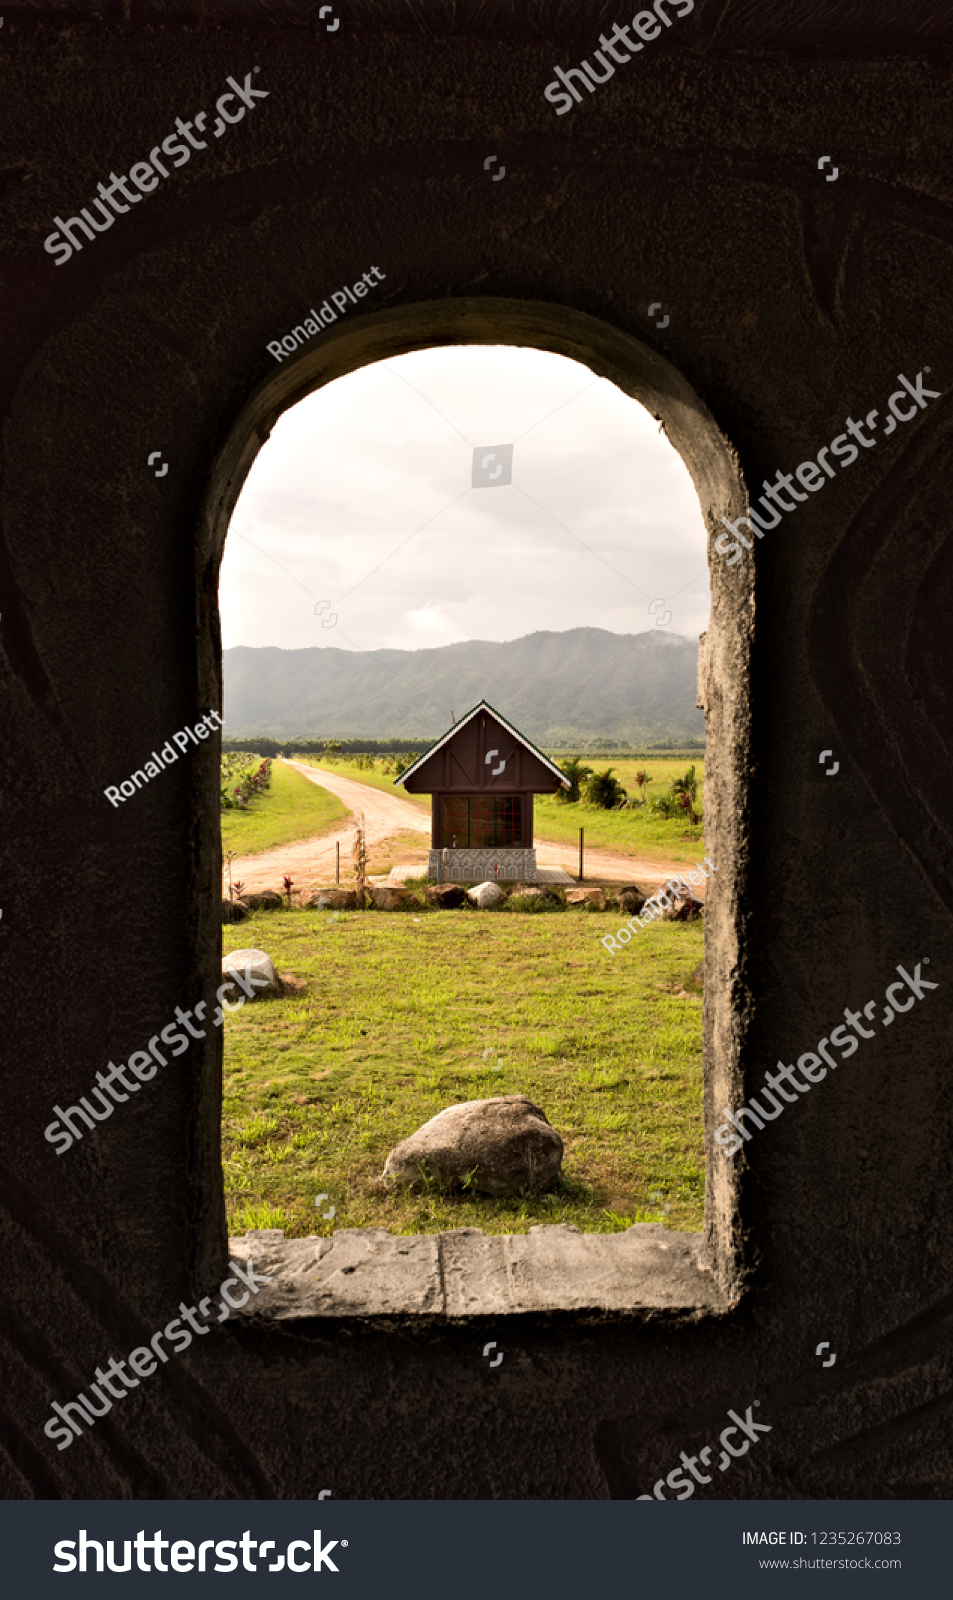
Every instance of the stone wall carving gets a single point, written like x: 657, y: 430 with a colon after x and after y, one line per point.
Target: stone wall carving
x: 475, y: 866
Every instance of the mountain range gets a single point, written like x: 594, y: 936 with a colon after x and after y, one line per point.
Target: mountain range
x: 555, y: 687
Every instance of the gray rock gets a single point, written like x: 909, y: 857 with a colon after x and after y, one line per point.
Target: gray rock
x: 507, y: 1143
x: 487, y: 896
x: 233, y: 910
x: 257, y: 974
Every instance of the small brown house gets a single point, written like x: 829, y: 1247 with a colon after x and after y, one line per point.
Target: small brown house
x: 482, y: 775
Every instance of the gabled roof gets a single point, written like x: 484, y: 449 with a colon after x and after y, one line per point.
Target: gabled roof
x: 484, y: 705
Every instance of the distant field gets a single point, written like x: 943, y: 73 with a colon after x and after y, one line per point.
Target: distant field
x: 402, y: 1017
x: 636, y: 833
x: 662, y: 770
x: 291, y: 808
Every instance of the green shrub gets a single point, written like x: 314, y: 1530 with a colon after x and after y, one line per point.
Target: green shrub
x: 533, y: 903
x: 577, y: 774
x: 604, y: 791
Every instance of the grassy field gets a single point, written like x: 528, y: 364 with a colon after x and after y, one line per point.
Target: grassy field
x: 662, y: 772
x: 403, y: 1014
x: 291, y: 808
x: 638, y: 833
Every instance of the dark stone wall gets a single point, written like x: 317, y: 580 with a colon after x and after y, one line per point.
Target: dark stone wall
x: 690, y: 178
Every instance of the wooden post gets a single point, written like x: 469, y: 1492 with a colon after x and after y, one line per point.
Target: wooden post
x: 337, y: 862
x: 581, y: 832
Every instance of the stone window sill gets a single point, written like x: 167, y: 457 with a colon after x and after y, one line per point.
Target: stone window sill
x: 368, y: 1272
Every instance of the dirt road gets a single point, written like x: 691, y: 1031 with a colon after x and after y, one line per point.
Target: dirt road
x: 311, y: 861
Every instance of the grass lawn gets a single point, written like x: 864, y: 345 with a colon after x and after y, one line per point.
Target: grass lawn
x: 291, y: 808
x: 402, y: 1017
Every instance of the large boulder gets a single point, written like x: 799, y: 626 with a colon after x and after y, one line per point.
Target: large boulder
x: 594, y: 898
x: 389, y: 897
x: 445, y: 896
x: 335, y: 899
x: 264, y: 900
x: 256, y: 971
x: 233, y: 910
x: 507, y: 1144
x: 487, y: 896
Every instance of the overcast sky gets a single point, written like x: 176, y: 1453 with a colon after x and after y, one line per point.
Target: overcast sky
x: 362, y: 498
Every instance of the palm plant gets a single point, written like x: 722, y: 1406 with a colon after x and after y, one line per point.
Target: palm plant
x: 577, y: 774
x: 643, y: 779
x: 604, y: 790
x: 686, y: 788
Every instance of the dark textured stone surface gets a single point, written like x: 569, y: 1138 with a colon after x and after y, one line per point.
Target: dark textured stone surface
x: 445, y: 896
x: 631, y: 899
x: 690, y: 178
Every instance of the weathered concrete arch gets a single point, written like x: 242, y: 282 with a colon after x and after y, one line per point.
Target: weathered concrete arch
x: 648, y: 377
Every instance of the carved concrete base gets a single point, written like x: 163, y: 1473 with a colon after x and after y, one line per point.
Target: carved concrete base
x: 475, y: 866
x: 369, y: 1272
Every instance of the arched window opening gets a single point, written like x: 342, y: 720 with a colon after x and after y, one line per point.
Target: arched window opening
x: 373, y: 589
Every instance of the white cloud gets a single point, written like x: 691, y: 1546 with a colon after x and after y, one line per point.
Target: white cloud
x: 428, y: 620
x: 362, y: 496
